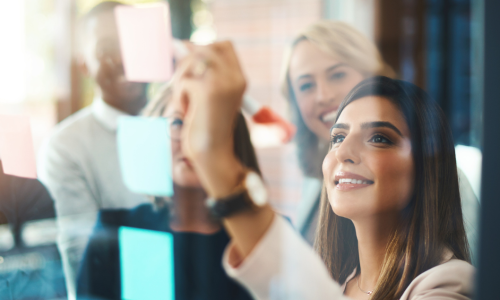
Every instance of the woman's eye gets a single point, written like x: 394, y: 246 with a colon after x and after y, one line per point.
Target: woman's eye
x: 380, y: 139
x: 306, y: 86
x: 337, y: 139
x: 338, y: 75
x: 176, y: 123
x: 176, y: 128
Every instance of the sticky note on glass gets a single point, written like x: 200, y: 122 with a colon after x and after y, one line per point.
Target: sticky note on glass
x: 147, y: 264
x: 145, y: 155
x: 146, y: 42
x: 16, y: 146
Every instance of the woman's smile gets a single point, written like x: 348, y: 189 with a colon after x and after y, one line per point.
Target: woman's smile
x: 347, y: 181
x: 328, y: 116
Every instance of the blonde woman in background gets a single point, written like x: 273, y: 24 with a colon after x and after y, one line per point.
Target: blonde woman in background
x: 324, y: 62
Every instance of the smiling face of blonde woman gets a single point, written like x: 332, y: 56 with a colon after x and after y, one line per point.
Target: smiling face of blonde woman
x: 369, y: 169
x: 320, y: 83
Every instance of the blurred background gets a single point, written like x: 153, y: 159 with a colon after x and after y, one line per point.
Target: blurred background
x: 427, y: 42
x: 435, y: 44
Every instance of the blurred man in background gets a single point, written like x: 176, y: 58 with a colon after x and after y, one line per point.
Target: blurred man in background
x: 79, y: 163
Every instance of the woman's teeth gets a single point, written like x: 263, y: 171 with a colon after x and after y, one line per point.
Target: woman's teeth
x: 353, y: 181
x: 329, y: 117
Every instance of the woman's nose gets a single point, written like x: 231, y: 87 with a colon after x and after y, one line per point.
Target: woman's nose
x: 348, y: 151
x: 324, y: 94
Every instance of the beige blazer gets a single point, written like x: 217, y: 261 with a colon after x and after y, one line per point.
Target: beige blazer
x: 452, y: 279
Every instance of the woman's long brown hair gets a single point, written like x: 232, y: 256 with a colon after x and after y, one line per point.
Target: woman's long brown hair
x: 432, y: 221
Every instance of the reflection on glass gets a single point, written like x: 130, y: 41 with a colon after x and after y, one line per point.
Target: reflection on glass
x: 324, y: 49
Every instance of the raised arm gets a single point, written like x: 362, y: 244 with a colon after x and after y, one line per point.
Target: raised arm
x: 211, y: 84
x: 266, y: 255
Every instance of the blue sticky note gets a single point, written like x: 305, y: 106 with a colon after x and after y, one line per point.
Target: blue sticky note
x: 147, y: 264
x: 145, y: 155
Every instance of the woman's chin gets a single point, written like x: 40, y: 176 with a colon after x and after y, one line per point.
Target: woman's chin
x: 348, y: 210
x: 188, y: 183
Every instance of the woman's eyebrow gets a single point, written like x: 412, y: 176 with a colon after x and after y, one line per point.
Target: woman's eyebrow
x: 174, y: 113
x: 381, y: 124
x: 340, y: 125
x: 330, y: 69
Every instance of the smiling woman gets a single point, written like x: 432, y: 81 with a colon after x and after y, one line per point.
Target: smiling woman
x: 391, y: 223
x: 364, y: 148
x: 390, y: 135
x: 325, y: 61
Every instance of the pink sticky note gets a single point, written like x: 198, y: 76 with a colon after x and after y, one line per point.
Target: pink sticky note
x: 146, y: 42
x: 16, y: 146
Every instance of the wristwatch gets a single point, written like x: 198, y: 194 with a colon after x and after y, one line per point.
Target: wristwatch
x: 250, y: 194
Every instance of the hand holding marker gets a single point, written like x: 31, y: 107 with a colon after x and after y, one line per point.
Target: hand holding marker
x: 261, y: 114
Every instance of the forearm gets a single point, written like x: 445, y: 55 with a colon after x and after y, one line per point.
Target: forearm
x: 246, y: 229
x: 220, y: 173
x: 281, y: 266
x: 212, y: 100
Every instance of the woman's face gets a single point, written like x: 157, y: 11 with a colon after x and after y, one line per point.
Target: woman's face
x: 320, y: 83
x: 182, y: 171
x: 369, y: 170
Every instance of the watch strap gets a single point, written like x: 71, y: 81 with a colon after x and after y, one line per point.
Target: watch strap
x: 231, y: 205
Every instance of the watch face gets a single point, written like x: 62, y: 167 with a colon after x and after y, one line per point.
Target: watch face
x: 256, y: 189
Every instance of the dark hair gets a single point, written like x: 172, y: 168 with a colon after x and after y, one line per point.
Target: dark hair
x: 432, y: 221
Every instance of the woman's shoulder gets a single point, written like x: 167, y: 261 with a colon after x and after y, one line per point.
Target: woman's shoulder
x: 450, y: 280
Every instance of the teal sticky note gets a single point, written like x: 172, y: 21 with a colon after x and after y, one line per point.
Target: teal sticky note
x: 147, y: 264
x: 145, y: 155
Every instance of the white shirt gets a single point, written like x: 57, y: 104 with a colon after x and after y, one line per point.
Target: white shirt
x: 79, y: 166
x: 283, y: 266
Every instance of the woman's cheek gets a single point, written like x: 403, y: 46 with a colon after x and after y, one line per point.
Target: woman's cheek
x: 394, y: 173
x: 328, y: 167
x: 176, y: 174
x: 175, y: 146
x: 176, y: 170
x: 306, y: 109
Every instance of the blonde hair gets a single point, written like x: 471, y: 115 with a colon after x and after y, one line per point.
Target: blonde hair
x: 349, y: 46
x: 157, y: 105
x: 344, y: 43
